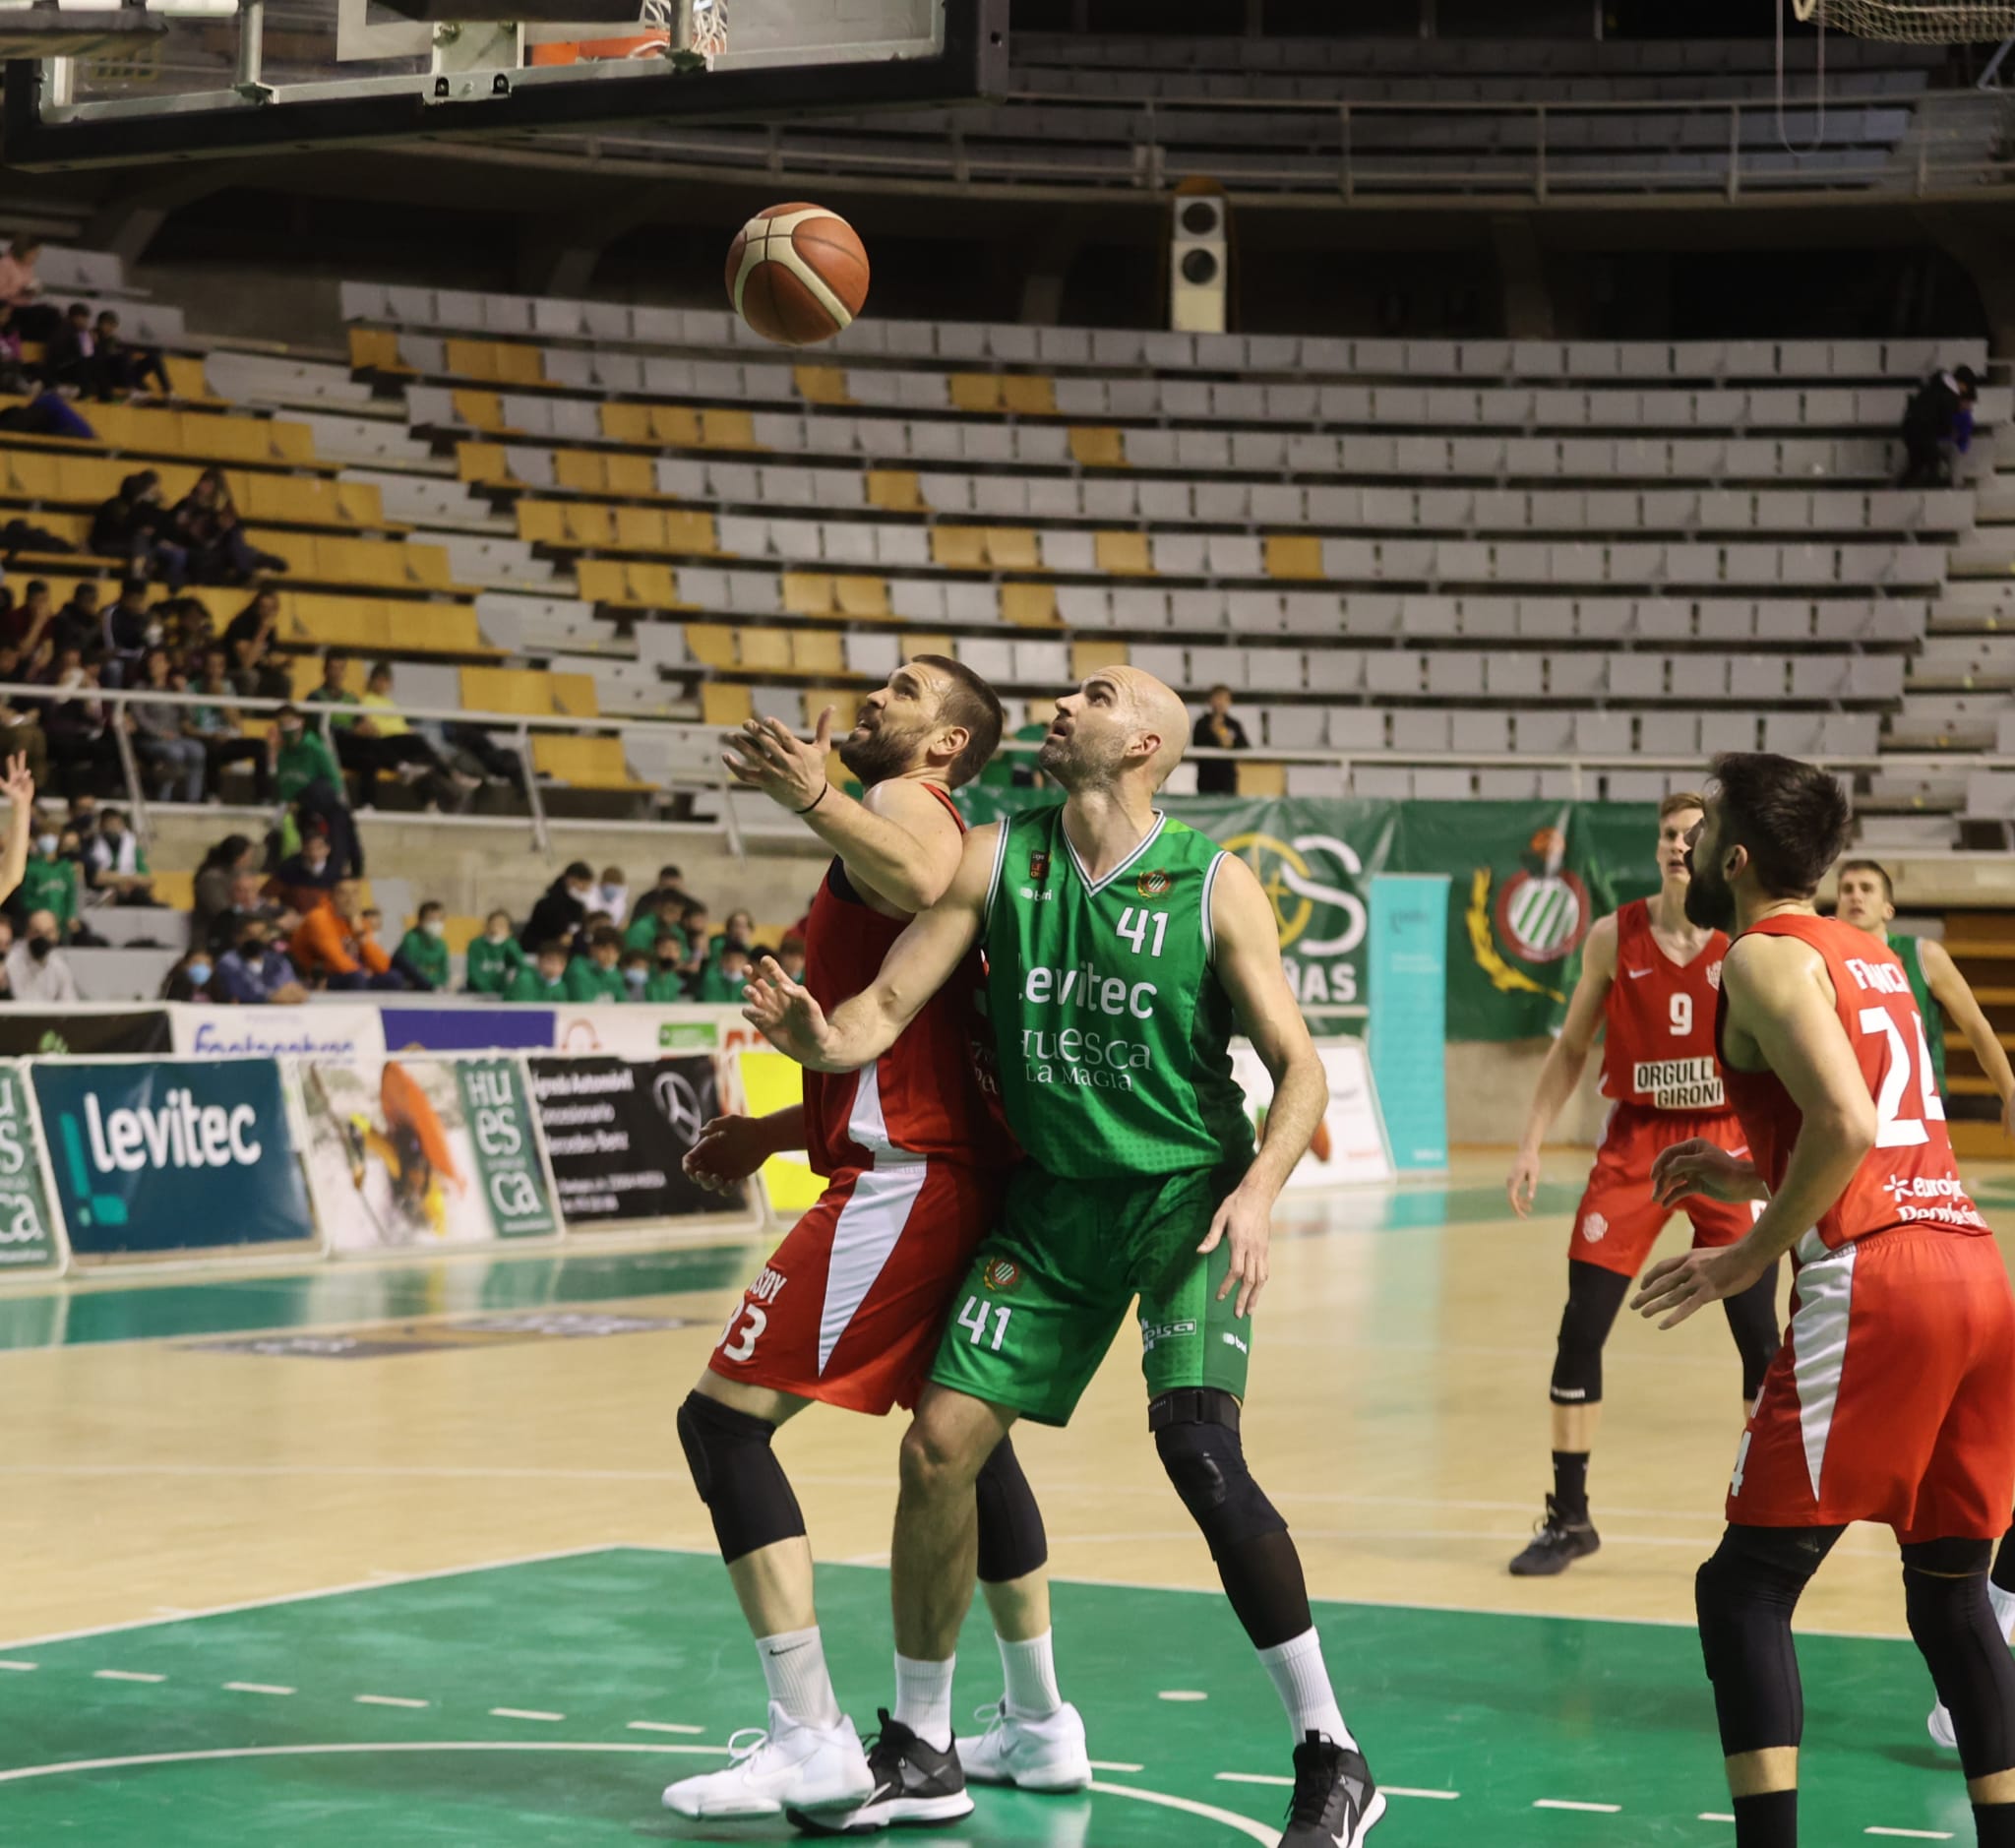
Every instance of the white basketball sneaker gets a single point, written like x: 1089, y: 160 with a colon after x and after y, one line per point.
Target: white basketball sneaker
x: 792, y: 1765
x: 1940, y: 1726
x: 1032, y: 1755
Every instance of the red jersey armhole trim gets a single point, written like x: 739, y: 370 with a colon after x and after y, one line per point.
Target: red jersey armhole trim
x: 943, y: 795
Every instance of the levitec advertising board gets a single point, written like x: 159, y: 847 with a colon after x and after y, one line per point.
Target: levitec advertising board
x: 159, y: 1158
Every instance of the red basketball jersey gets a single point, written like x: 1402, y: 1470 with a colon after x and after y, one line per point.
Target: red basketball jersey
x: 1908, y: 1177
x: 1658, y: 1043
x: 923, y: 1096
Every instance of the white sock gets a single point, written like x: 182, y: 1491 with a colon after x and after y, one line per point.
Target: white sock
x: 794, y: 1667
x: 1031, y: 1671
x: 923, y: 1699
x: 2004, y: 1610
x: 1302, y: 1682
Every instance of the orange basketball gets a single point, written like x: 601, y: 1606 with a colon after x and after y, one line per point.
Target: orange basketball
x: 796, y: 274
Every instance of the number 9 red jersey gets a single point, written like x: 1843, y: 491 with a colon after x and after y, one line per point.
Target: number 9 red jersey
x: 1657, y: 1022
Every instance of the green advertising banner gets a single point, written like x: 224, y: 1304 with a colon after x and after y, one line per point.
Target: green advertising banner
x: 1527, y: 881
x: 503, y: 1126
x: 28, y: 1242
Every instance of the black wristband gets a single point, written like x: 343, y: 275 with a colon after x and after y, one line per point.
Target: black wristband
x: 814, y: 803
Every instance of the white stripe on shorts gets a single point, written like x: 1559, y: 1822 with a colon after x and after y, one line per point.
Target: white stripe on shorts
x: 867, y: 1228
x: 1818, y: 1338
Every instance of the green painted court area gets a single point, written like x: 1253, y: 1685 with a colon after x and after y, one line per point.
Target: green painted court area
x: 549, y: 1701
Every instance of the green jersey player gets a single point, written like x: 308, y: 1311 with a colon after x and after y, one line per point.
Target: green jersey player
x: 1123, y: 951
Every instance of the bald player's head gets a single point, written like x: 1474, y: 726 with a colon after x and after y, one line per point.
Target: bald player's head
x: 1122, y: 723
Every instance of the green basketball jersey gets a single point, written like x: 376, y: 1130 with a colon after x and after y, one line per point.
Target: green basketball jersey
x: 1112, y: 1031
x: 1911, y: 956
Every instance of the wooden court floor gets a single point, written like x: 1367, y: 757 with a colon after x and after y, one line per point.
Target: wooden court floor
x: 177, y: 1447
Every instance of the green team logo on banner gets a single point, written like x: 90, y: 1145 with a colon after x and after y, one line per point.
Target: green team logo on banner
x: 1314, y: 881
x: 25, y: 1240
x: 500, y: 1126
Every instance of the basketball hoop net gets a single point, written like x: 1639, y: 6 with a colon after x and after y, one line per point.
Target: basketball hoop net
x: 1914, y: 22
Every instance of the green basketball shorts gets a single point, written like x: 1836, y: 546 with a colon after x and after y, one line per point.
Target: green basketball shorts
x: 1048, y: 1291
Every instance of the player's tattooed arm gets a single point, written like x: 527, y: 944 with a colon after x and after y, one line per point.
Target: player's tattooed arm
x: 1949, y: 989
x: 1246, y: 958
x: 1781, y: 1016
x: 1567, y: 1058
x: 918, y: 964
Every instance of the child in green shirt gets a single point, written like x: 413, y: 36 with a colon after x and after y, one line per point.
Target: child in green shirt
x: 424, y: 948
x: 544, y: 980
x: 494, y: 957
x: 667, y: 982
x: 635, y: 975
x: 722, y: 982
x: 596, y: 976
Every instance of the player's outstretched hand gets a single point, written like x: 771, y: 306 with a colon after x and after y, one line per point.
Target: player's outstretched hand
x: 1699, y: 1166
x: 19, y: 787
x: 726, y: 1152
x: 785, y: 1014
x: 1675, y: 1287
x: 1249, y: 1224
x: 1522, y: 1184
x: 767, y: 755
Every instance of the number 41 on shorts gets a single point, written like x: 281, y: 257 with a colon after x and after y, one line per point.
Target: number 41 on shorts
x: 973, y: 1319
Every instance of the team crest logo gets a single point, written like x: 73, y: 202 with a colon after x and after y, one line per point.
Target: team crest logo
x: 1593, y: 1227
x: 1039, y: 866
x: 1001, y: 1273
x: 1154, y: 885
x: 1714, y: 973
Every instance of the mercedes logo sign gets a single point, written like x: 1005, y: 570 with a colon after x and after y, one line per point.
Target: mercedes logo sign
x: 679, y: 1104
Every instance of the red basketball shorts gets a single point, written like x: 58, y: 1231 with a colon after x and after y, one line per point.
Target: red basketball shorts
x: 850, y: 1306
x: 1893, y: 1397
x: 1618, y: 1222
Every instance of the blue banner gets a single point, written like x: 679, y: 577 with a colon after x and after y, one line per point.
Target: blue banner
x: 157, y: 1158
x: 1408, y: 943
x: 478, y: 1027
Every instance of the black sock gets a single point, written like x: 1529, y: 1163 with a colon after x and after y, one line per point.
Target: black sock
x: 2004, y: 1573
x: 1767, y: 1822
x: 1995, y: 1822
x: 1571, y: 1484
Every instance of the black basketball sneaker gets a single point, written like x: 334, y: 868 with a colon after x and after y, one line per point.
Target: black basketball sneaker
x: 914, y: 1783
x: 1556, y: 1544
x: 1335, y: 1802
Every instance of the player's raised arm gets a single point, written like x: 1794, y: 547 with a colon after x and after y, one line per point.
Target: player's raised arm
x: 918, y: 964
x: 19, y: 787
x: 1780, y: 1000
x: 899, y: 838
x: 1567, y: 1058
x: 1246, y: 957
x: 1950, y: 991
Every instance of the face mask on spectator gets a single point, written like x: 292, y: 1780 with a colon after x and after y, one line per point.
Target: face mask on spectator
x: 45, y: 845
x: 637, y: 977
x: 252, y: 953
x: 498, y: 932
x: 435, y: 927
x: 151, y: 635
x: 40, y: 947
x: 199, y: 973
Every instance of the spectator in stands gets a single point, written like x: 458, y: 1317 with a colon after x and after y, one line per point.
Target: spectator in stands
x: 723, y: 981
x: 123, y: 370
x: 129, y: 630
x: 5, y: 946
x: 14, y: 379
x: 738, y: 933
x: 207, y: 523
x: 422, y: 956
x: 25, y: 623
x: 667, y: 982
x: 543, y: 979
x: 331, y: 948
x: 790, y: 956
x: 20, y: 289
x: 256, y: 971
x: 1016, y: 769
x: 401, y: 749
x: 248, y: 904
x: 495, y: 958
x: 613, y: 896
x: 47, y: 413
x: 82, y: 749
x: 1220, y: 731
x: 305, y: 881
x: 1938, y: 425
x: 562, y: 909
x: 596, y: 975
x: 160, y: 735
x: 69, y: 354
x: 635, y: 975
x: 232, y: 859
x: 80, y: 623
x: 38, y: 972
x: 305, y: 775
x: 115, y: 863
x: 21, y: 728
x: 472, y: 750
x: 219, y: 727
x: 257, y: 623
x: 192, y: 979
x: 693, y: 926
x: 134, y: 526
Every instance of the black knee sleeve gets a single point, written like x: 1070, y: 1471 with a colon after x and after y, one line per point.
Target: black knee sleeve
x: 1752, y: 1321
x: 1196, y: 1436
x: 1594, y: 1295
x: 1945, y: 1599
x: 738, y: 1476
x: 1012, y: 1543
x: 1745, y: 1596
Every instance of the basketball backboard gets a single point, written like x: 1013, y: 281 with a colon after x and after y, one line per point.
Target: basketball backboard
x: 238, y: 76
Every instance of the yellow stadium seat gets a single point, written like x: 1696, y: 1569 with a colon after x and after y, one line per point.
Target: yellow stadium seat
x: 361, y: 502
x: 482, y: 463
x: 1122, y: 553
x: 1028, y: 395
x: 817, y: 651
x: 1294, y: 555
x: 473, y: 359
x: 426, y: 566
x: 186, y: 376
x: 653, y: 586
x: 230, y: 439
x: 677, y: 426
x: 727, y: 429
x: 692, y: 532
x: 174, y: 887
x: 962, y: 548
x: 1030, y: 606
x: 711, y: 644
x: 291, y: 442
x: 522, y: 691
x: 580, y: 471
x: 1096, y: 651
x: 898, y: 490
x: 1261, y: 779
x: 915, y: 645
x: 722, y: 704
x: 521, y: 365
x: 602, y: 579
x: 1040, y: 711
x: 583, y: 762
x: 862, y: 596
x: 639, y: 528
x: 1013, y: 548
x: 541, y: 523
x: 766, y: 650
x: 587, y: 523
x: 810, y: 593
x: 1098, y: 446
x: 575, y: 695
x: 444, y: 629
x: 821, y: 385
x: 461, y: 931
x: 976, y: 392
x: 842, y: 700
x: 480, y: 411
x: 629, y: 474
x: 376, y: 349
x: 626, y: 423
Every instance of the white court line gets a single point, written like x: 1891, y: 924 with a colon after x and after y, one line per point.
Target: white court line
x: 256, y: 1687
x: 663, y: 1726
x: 385, y: 1700
x: 1208, y: 1812
x: 1433, y: 1796
x: 1912, y: 1835
x: 19, y: 1668
x: 523, y: 1713
x: 1563, y: 1803
x: 123, y: 1674
x: 1288, y: 1783
x: 1713, y: 1815
x: 1114, y: 1764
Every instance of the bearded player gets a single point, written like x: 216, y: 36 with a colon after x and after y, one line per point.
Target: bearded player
x: 848, y: 1308
x: 1649, y: 979
x: 1889, y: 1400
x: 1122, y: 951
